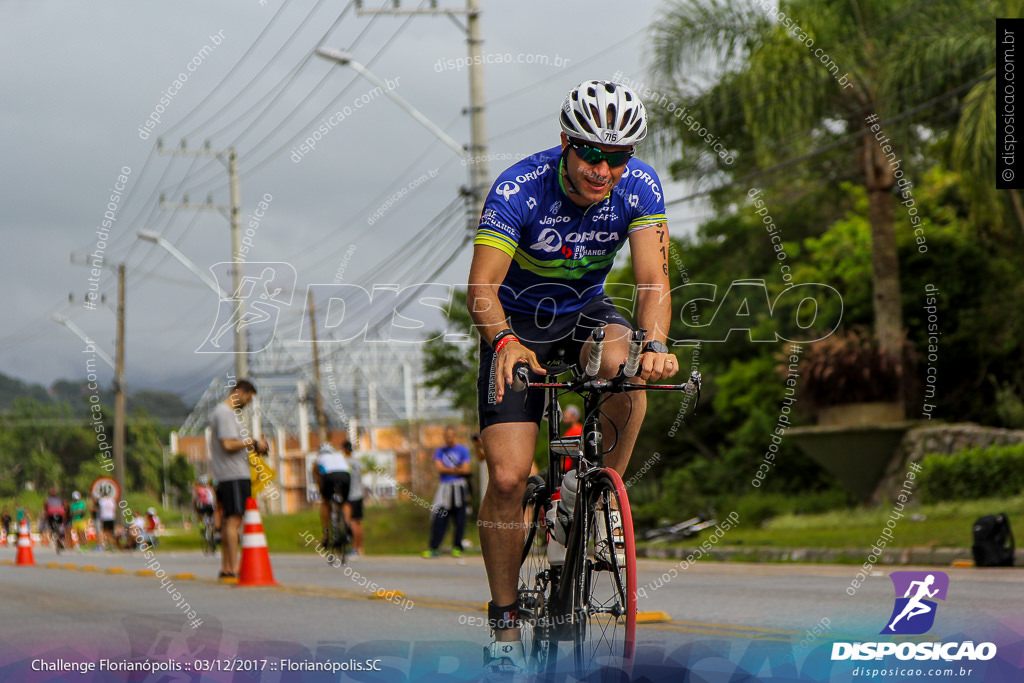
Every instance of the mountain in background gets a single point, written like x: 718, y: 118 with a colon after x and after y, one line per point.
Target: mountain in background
x: 165, y: 407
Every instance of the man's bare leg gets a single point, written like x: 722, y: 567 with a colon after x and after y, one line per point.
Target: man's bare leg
x: 509, y: 450
x: 229, y: 544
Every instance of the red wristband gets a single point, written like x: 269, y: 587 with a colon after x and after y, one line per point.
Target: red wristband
x: 504, y: 340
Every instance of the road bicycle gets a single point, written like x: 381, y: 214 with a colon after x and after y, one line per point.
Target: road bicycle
x: 208, y: 534
x: 340, y: 534
x: 586, y: 594
x: 57, y: 533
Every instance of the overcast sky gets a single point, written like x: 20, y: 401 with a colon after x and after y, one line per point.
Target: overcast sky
x: 81, y: 79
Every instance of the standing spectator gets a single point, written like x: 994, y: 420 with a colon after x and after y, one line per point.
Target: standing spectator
x: 452, y: 462
x: 78, y: 509
x: 5, y: 520
x: 355, y: 499
x: 107, y: 513
x: 230, y: 445
x: 154, y: 527
x: 571, y: 419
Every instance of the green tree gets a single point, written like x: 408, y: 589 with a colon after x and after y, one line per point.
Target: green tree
x: 797, y: 77
x: 451, y: 368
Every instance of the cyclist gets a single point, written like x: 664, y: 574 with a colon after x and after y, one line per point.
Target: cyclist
x: 551, y: 226
x: 204, y: 501
x: 56, y: 514
x: 355, y: 499
x: 331, y: 474
x: 78, y: 511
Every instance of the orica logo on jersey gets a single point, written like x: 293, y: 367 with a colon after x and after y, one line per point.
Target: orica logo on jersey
x: 550, y: 240
x: 914, y: 614
x: 507, y: 189
x: 532, y: 175
x: 647, y: 178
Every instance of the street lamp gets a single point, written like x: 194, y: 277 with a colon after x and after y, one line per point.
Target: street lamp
x: 345, y: 59
x: 150, y: 236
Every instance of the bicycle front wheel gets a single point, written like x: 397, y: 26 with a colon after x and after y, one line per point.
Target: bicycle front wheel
x: 604, y: 599
x: 536, y: 581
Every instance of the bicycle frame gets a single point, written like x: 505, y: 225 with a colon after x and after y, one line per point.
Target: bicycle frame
x: 589, y: 464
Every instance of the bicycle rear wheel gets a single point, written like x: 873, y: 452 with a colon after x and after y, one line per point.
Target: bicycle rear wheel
x: 536, y: 581
x: 604, y: 598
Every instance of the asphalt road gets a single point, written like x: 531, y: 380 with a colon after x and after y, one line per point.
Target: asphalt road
x: 709, y: 617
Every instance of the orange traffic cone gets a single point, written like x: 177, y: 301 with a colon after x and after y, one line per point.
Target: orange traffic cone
x: 255, y: 569
x: 24, y: 545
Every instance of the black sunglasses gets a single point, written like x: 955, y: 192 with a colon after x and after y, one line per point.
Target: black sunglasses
x: 593, y: 155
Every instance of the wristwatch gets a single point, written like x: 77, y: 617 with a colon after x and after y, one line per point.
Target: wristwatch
x: 655, y: 346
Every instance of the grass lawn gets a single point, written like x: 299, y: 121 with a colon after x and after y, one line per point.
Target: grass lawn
x: 399, y: 528
x: 943, y: 525
x: 404, y: 527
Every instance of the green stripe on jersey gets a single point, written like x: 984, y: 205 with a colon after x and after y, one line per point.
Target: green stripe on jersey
x: 565, y: 269
x: 646, y: 221
x: 498, y: 240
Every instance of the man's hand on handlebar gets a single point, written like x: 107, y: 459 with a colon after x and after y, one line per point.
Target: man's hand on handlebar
x: 657, y: 366
x: 511, y: 353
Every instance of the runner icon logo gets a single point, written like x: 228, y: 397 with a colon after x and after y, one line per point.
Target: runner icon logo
x: 914, y: 611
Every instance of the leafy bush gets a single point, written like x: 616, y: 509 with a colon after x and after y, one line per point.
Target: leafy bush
x: 973, y: 473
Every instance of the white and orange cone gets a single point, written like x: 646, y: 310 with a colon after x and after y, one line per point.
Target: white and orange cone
x: 24, y: 545
x: 255, y: 569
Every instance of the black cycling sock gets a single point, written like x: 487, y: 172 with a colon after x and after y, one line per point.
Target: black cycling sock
x: 502, y: 618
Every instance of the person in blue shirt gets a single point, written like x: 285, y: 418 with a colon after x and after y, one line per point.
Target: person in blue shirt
x: 452, y: 462
x: 549, y: 232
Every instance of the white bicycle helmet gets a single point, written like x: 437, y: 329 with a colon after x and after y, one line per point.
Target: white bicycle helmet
x: 604, y: 112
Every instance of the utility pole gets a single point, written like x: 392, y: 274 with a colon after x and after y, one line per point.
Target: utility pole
x: 479, y: 176
x: 117, y: 364
x: 233, y: 212
x: 321, y: 416
x: 119, y: 400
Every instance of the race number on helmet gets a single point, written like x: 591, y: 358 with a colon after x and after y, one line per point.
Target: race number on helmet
x: 604, y: 112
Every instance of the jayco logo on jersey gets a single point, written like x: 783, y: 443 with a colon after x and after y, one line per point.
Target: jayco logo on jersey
x: 647, y: 178
x: 507, y: 189
x: 915, y: 614
x: 553, y: 220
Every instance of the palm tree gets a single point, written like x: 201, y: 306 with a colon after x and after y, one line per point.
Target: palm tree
x: 779, y: 83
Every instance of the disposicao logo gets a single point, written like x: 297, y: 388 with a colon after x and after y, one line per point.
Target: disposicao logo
x: 914, y: 614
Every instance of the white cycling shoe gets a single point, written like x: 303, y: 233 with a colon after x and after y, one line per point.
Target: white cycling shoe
x: 505, y: 661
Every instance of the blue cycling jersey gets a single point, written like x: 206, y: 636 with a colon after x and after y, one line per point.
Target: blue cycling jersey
x: 561, y: 253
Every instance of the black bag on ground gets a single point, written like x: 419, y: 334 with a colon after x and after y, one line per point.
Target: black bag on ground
x: 993, y: 541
